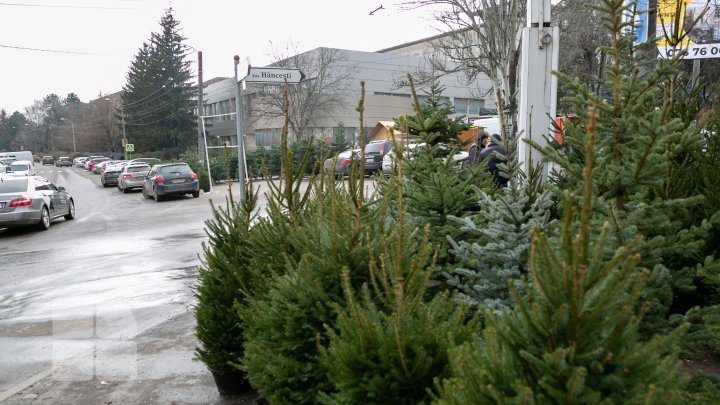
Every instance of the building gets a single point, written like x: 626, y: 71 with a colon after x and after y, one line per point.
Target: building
x: 387, y: 95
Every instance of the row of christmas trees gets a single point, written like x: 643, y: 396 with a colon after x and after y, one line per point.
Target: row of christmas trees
x: 442, y: 288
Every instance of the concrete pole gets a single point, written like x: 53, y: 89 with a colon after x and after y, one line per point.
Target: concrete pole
x: 201, y: 130
x: 538, y: 86
x: 240, y: 137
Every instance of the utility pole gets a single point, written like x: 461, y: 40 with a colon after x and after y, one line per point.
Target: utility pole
x: 73, y: 132
x: 538, y: 86
x: 122, y: 115
x: 240, y: 137
x: 201, y: 112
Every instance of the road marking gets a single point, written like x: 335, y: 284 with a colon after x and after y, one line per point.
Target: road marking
x: 24, y: 384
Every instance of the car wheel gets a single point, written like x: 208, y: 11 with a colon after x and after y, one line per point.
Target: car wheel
x: 71, y: 211
x: 44, y: 219
x: 158, y: 198
x: 196, y: 194
x: 144, y: 193
x: 119, y: 188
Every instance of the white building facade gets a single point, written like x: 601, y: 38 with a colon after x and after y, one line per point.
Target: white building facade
x: 387, y: 96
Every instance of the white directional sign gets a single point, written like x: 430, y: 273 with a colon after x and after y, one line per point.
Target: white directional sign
x: 273, y: 75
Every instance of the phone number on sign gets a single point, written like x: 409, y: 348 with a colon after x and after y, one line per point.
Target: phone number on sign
x: 703, y: 51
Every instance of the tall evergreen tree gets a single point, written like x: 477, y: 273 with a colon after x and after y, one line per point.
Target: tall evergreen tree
x: 158, y: 96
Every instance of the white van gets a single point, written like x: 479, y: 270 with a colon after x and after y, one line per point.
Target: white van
x: 7, y: 157
x: 22, y: 168
x: 491, y: 124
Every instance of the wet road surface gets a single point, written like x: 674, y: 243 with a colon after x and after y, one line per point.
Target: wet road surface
x: 104, y: 302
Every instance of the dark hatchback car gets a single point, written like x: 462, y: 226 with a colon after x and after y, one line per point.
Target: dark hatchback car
x: 375, y: 151
x: 48, y: 160
x: 109, y: 177
x: 170, y: 179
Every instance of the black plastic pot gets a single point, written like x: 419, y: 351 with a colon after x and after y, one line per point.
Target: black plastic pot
x: 230, y: 382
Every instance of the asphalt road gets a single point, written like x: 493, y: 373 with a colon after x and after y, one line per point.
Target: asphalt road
x: 99, y: 309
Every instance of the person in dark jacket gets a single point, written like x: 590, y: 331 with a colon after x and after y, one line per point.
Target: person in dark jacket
x: 494, y: 151
x: 482, y: 140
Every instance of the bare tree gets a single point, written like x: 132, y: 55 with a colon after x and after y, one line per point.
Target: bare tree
x: 483, y: 38
x: 323, y: 90
x: 582, y: 44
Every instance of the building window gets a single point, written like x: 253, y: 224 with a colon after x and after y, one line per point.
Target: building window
x: 465, y: 106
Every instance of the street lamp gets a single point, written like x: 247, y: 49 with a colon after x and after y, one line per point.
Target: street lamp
x: 73, y: 132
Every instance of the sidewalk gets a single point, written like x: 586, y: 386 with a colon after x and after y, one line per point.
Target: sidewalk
x: 167, y: 373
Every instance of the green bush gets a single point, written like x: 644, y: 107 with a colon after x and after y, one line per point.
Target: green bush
x: 198, y: 167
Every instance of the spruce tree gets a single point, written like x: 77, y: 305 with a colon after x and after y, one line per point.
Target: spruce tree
x: 158, y: 96
x: 305, y: 242
x: 434, y: 189
x: 639, y: 135
x: 574, y: 337
x: 388, y: 344
x: 224, y: 278
x: 494, y: 247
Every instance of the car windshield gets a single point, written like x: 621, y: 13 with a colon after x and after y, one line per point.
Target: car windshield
x: 174, y: 169
x: 20, y: 167
x: 13, y: 186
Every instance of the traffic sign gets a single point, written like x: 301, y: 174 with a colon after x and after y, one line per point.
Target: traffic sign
x: 130, y: 147
x: 273, y: 75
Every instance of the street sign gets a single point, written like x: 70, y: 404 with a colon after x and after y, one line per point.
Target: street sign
x: 130, y: 147
x: 273, y: 75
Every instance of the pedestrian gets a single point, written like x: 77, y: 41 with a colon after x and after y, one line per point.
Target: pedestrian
x: 481, y: 140
x: 495, y: 153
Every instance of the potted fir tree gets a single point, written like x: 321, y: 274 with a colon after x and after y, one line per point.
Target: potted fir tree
x: 222, y: 279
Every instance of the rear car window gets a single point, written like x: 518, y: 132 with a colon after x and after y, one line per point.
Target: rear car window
x: 174, y: 169
x: 378, y: 147
x: 135, y: 169
x: 20, y: 167
x: 13, y: 186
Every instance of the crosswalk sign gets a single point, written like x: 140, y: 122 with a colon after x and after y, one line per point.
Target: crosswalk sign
x: 130, y: 147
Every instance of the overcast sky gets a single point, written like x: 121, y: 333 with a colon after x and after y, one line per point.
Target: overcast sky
x: 86, y: 46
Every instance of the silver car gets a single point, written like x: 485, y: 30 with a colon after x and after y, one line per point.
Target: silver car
x: 33, y: 200
x: 132, y: 176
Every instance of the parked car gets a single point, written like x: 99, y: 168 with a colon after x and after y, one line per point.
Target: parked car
x: 132, y: 176
x: 48, y: 160
x: 99, y: 167
x: 412, y: 150
x: 109, y: 176
x: 342, y: 162
x: 22, y: 168
x: 5, y: 168
x: 78, y: 161
x: 87, y: 161
x: 63, y: 161
x: 375, y: 151
x: 90, y: 165
x: 170, y: 179
x: 33, y: 200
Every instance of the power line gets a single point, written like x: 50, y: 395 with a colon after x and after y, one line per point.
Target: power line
x: 76, y: 7
x: 56, y: 50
